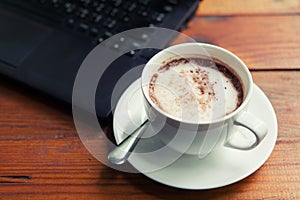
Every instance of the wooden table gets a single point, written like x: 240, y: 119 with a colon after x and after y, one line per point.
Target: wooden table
x: 42, y: 157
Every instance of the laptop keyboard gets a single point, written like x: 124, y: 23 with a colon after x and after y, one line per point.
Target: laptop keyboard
x: 103, y: 18
x: 94, y: 21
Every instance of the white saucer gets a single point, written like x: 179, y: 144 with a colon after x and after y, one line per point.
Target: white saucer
x: 221, y: 167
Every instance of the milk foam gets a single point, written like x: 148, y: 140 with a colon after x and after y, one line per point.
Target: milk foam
x: 193, y: 92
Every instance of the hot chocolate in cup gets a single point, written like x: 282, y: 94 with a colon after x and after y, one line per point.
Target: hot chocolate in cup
x: 196, y: 96
x: 197, y: 88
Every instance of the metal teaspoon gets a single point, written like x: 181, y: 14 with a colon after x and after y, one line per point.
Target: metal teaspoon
x: 122, y: 152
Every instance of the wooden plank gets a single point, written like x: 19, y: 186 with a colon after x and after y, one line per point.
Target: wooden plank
x: 261, y: 42
x: 44, y: 167
x: 23, y: 118
x: 41, y: 156
x: 248, y: 7
x: 286, y: 102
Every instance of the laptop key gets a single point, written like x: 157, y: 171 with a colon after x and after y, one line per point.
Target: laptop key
x: 94, y: 31
x: 145, y: 2
x: 100, y: 7
x: 83, y: 27
x: 83, y: 12
x: 158, y: 17
x: 107, y: 34
x: 111, y: 24
x: 118, y: 3
x: 100, y: 39
x: 71, y: 22
x: 97, y: 18
x: 132, y: 7
x: 168, y: 8
x: 114, y: 12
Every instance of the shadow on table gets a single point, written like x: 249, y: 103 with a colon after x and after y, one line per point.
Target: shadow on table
x: 158, y: 190
x: 137, y: 185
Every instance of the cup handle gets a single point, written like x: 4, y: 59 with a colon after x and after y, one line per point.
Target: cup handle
x: 246, y: 132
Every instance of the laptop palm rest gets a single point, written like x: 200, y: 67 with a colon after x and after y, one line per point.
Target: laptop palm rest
x: 19, y: 37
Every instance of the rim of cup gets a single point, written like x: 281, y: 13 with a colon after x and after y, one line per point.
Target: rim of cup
x: 205, y: 46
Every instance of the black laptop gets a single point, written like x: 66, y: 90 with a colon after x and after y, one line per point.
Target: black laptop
x: 43, y: 42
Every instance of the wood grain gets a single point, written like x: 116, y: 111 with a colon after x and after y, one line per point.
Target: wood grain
x: 42, y: 157
x: 261, y: 42
x: 248, y: 7
x: 52, y: 163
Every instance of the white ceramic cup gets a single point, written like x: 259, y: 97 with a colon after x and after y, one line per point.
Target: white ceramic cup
x: 238, y: 129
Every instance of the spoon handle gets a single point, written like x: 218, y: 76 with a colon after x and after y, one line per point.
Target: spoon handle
x: 122, y: 152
